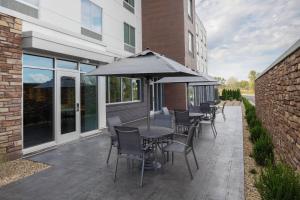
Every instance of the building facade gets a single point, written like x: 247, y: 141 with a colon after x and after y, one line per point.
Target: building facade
x: 172, y: 31
x: 47, y: 47
x: 201, y: 47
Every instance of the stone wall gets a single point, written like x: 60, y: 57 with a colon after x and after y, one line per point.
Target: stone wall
x: 277, y: 97
x: 10, y: 86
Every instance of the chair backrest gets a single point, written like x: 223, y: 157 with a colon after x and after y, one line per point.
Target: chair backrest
x: 191, y: 135
x: 165, y: 111
x: 113, y: 121
x: 205, y: 107
x: 162, y: 120
x: 129, y: 140
x: 182, y: 117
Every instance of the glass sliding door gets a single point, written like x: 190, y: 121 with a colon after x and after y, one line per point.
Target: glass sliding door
x: 88, y: 99
x: 38, y: 100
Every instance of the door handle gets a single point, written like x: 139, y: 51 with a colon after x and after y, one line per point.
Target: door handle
x: 77, y: 107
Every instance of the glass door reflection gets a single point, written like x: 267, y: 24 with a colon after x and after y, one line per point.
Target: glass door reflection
x: 68, y: 104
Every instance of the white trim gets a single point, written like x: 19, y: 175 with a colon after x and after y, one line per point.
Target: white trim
x: 123, y: 102
x: 38, y: 147
x: 28, y: 4
x: 89, y: 133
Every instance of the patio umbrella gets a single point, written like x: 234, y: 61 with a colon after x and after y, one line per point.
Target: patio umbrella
x: 147, y: 64
x: 199, y: 80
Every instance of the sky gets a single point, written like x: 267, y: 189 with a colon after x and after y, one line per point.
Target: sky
x: 246, y: 35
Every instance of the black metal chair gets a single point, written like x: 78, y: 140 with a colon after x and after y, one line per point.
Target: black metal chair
x: 182, y: 121
x: 130, y: 146
x: 211, y: 122
x: 205, y: 108
x: 184, y: 148
x: 111, y: 122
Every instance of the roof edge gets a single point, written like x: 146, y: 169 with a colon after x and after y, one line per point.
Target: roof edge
x: 288, y: 52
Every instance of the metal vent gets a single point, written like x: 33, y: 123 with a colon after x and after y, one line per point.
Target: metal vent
x: 128, y: 7
x: 129, y: 48
x: 91, y: 34
x: 20, y: 7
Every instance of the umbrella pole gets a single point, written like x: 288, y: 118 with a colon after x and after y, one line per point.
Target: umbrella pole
x: 148, y: 102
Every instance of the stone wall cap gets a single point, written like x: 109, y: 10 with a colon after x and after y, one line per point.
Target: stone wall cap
x: 288, y: 52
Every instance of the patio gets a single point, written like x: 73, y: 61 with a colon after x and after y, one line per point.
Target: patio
x: 79, y: 170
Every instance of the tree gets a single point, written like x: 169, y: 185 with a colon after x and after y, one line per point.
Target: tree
x: 244, y: 85
x: 252, y: 76
x: 232, y: 83
x: 221, y: 80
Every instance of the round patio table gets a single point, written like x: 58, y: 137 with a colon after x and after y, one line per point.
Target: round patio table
x: 155, y: 134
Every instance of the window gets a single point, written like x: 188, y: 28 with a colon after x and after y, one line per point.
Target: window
x: 197, y: 47
x: 129, y: 38
x: 191, y: 43
x: 88, y: 99
x: 126, y: 89
x: 190, y: 9
x: 136, y: 89
x: 114, y: 89
x: 38, y: 97
x: 37, y: 61
x: 129, y: 5
x: 91, y: 19
x: 123, y: 90
x: 66, y: 64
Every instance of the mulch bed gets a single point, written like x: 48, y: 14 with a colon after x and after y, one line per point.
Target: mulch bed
x: 251, y: 192
x: 15, y: 170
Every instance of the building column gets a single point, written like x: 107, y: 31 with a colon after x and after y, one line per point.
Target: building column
x: 10, y: 87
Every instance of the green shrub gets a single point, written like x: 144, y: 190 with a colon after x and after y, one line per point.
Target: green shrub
x: 256, y: 132
x: 279, y: 182
x: 254, y: 122
x: 263, y: 150
x: 231, y: 94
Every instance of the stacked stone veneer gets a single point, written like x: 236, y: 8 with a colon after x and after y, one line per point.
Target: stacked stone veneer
x: 277, y: 97
x: 10, y: 86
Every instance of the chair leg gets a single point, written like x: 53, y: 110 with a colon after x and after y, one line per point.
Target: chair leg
x: 195, y: 158
x: 107, y: 160
x: 214, y: 127
x: 116, y: 169
x: 213, y: 130
x: 172, y: 157
x: 188, y: 165
x: 142, y: 172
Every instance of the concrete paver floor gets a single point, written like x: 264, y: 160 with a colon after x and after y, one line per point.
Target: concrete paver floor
x: 79, y: 171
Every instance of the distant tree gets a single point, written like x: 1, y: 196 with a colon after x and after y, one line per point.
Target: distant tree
x: 244, y: 85
x: 252, y: 76
x: 232, y: 83
x: 221, y: 80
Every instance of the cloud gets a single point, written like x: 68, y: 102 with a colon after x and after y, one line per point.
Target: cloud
x: 247, y: 34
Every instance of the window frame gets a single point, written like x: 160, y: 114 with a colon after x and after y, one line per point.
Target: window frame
x: 129, y: 35
x: 121, y: 92
x: 192, y: 51
x: 101, y: 20
x: 190, y: 10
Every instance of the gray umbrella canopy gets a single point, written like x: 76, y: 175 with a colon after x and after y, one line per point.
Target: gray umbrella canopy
x: 210, y: 83
x: 145, y: 64
x: 200, y: 78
